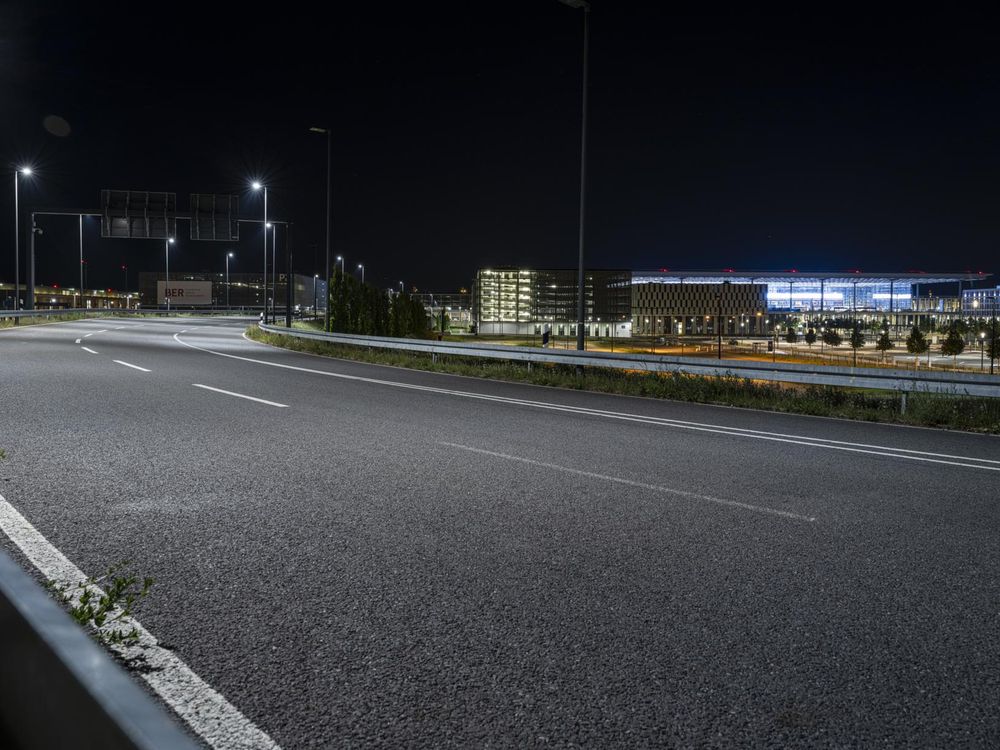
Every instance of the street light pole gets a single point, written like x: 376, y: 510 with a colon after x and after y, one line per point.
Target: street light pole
x: 582, y: 4
x: 166, y: 255
x: 362, y: 267
x: 17, y: 238
x: 326, y: 316
x: 258, y: 186
x: 228, y: 304
x: 81, y: 260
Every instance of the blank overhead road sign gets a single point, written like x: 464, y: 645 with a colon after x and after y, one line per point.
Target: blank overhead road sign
x: 138, y: 214
x: 215, y: 217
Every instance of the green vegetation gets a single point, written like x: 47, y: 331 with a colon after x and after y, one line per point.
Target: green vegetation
x: 884, y: 343
x: 857, y: 338
x: 954, y: 343
x: 832, y: 338
x: 934, y: 410
x: 916, y: 342
x: 810, y: 337
x: 361, y: 308
x: 103, y: 611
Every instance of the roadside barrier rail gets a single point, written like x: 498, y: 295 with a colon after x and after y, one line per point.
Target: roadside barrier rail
x: 906, y: 381
x: 58, y: 688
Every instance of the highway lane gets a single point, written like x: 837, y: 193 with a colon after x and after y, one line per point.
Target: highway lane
x: 380, y: 562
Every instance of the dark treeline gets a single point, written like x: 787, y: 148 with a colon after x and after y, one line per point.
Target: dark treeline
x: 361, y: 308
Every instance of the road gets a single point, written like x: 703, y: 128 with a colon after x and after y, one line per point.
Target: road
x: 371, y: 556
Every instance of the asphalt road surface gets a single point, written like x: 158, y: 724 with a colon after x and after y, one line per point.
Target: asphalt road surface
x: 370, y: 556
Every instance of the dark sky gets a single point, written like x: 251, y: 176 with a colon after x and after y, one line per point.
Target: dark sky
x: 751, y: 139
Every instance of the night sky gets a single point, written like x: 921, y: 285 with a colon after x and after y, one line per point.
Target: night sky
x: 748, y: 139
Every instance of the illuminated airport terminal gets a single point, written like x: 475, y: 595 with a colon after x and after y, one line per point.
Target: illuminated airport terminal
x: 519, y: 301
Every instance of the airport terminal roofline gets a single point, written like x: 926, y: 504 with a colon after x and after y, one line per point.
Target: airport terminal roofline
x: 840, y: 277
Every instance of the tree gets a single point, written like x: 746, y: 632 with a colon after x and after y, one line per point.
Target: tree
x: 857, y: 338
x: 832, y: 338
x: 884, y: 343
x: 810, y: 336
x: 916, y: 342
x: 953, y: 344
x: 791, y: 336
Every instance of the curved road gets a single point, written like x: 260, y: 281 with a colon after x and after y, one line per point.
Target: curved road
x: 359, y: 555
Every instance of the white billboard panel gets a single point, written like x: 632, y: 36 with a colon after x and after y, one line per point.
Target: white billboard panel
x: 184, y: 292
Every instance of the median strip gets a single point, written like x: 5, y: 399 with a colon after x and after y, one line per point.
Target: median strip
x: 241, y: 395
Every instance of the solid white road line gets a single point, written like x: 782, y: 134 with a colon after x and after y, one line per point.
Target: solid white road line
x: 968, y: 462
x: 633, y: 483
x: 134, y: 367
x: 88, y: 350
x: 240, y: 395
x: 206, y: 711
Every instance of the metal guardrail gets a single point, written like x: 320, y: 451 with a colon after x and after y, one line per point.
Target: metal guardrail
x: 964, y: 384
x: 58, y: 688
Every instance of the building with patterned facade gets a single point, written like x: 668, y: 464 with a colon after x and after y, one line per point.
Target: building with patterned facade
x: 624, y: 303
x: 524, y: 302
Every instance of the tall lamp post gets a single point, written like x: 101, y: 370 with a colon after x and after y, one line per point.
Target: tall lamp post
x: 993, y: 339
x: 26, y: 171
x: 361, y: 267
x: 166, y: 257
x: 258, y: 186
x: 326, y: 132
x: 340, y: 260
x: 315, y: 279
x: 228, y: 256
x: 585, y: 6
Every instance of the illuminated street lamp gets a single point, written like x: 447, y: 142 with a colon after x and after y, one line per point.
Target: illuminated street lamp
x: 166, y: 256
x: 27, y: 172
x: 982, y: 349
x: 257, y: 186
x: 228, y: 256
x: 361, y: 267
x: 327, y: 133
x: 340, y: 259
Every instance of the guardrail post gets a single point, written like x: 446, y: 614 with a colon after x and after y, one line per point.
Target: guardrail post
x: 902, y: 403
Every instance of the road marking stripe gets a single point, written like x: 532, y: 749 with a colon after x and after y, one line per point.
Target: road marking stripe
x: 103, y: 330
x: 633, y: 483
x: 88, y: 350
x: 134, y: 367
x: 77, y: 341
x: 240, y: 395
x: 87, y: 335
x: 206, y: 711
x: 740, y: 432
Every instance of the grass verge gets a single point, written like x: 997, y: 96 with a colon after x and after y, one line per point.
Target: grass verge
x: 923, y: 409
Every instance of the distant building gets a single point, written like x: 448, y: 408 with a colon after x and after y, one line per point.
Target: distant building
x: 524, y: 301
x: 519, y: 301
x: 243, y: 290
x: 457, y: 307
x: 64, y: 298
x: 981, y: 303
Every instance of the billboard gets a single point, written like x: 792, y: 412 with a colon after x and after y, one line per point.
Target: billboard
x: 215, y: 217
x: 138, y: 214
x: 182, y: 293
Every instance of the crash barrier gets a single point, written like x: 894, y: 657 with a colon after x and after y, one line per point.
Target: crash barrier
x: 907, y: 381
